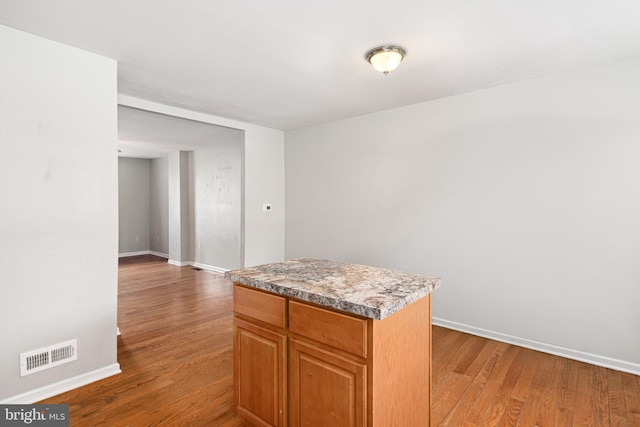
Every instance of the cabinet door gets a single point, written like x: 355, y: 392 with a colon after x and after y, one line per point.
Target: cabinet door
x: 325, y: 389
x: 259, y: 374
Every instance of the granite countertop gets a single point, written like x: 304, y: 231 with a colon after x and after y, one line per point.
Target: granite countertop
x: 358, y: 289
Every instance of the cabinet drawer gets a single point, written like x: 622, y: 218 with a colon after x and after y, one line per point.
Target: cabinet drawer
x: 338, y: 330
x: 260, y: 305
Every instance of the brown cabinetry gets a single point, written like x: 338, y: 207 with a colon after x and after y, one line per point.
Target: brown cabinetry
x: 299, y: 364
x: 260, y: 369
x: 325, y: 389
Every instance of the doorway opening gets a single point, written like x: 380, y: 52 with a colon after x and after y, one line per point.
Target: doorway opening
x: 181, y: 190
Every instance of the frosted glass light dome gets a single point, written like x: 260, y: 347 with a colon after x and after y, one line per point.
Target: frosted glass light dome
x: 386, y: 58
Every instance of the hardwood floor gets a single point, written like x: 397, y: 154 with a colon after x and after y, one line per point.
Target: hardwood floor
x: 175, y: 352
x: 175, y: 355
x: 479, y: 382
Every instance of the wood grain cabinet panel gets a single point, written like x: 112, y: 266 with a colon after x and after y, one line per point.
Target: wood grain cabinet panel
x: 325, y: 389
x: 260, y: 391
x: 260, y: 305
x: 342, y: 331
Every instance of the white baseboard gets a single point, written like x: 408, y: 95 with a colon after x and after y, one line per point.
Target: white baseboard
x: 209, y: 267
x: 62, y: 386
x: 160, y: 254
x: 594, y: 359
x: 178, y: 263
x: 198, y: 265
x: 126, y: 254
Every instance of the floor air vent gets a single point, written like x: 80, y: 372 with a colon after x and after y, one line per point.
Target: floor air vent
x: 48, y: 357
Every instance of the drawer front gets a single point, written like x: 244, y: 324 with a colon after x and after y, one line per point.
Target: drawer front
x: 260, y: 305
x: 338, y: 330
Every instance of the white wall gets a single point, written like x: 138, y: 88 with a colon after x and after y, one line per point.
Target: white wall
x: 159, y: 206
x: 216, y: 204
x: 524, y: 198
x: 59, y: 221
x: 178, y: 201
x: 134, y: 210
x: 263, y: 180
x: 143, y: 206
x: 264, y: 183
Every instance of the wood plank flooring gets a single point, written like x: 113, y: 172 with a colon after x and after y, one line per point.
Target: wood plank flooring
x: 175, y: 353
x: 479, y: 382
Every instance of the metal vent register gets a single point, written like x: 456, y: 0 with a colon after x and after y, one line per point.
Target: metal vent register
x: 48, y: 357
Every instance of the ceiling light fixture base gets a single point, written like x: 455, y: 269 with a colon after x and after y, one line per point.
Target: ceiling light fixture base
x: 386, y: 58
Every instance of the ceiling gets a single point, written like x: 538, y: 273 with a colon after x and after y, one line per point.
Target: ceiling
x: 288, y: 64
x: 147, y: 135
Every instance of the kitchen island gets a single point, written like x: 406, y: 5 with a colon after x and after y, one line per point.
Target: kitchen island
x: 319, y: 342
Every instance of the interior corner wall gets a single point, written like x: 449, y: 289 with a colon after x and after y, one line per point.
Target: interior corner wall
x: 523, y: 198
x: 134, y: 212
x: 59, y: 222
x: 159, y: 206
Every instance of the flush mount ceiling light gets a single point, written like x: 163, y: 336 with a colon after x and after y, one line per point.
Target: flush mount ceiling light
x: 385, y: 58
